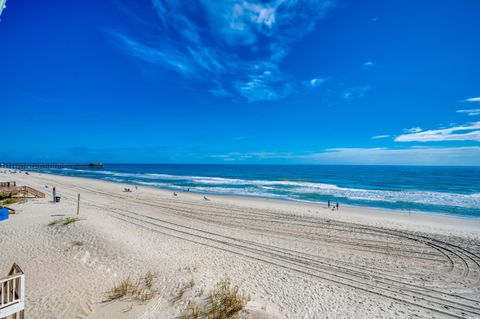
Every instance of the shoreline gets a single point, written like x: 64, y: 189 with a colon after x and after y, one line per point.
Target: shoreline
x: 447, y: 210
x: 366, y: 212
x: 468, y: 216
x: 289, y: 200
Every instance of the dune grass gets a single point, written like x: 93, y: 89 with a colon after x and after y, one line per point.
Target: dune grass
x: 149, y: 280
x: 5, y: 195
x: 179, y: 294
x: 77, y: 243
x: 64, y: 221
x: 139, y: 290
x: 225, y: 301
x: 13, y: 200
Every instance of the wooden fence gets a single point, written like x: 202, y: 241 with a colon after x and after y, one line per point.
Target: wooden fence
x: 12, y: 294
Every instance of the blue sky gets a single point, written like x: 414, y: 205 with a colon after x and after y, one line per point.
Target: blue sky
x: 280, y: 81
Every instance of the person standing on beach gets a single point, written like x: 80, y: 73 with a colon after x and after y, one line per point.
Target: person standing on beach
x: 337, y: 205
x: 328, y: 203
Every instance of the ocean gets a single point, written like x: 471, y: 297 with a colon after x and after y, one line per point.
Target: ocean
x: 445, y: 190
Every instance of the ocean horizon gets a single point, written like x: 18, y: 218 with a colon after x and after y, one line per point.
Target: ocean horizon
x: 451, y: 190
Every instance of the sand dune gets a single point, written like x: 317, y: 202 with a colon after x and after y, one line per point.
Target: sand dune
x: 295, y: 260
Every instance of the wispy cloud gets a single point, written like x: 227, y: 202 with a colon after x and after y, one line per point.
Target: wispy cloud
x: 367, y: 156
x: 380, y: 136
x: 473, y: 99
x: 355, y: 92
x: 369, y: 65
x: 470, y: 112
x: 412, y: 130
x: 406, y: 156
x: 316, y: 82
x: 234, y: 46
x: 466, y: 132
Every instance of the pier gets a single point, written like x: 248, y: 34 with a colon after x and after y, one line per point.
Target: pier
x: 48, y: 165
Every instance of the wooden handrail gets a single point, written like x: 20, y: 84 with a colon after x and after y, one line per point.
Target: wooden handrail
x: 12, y: 293
x: 11, y: 290
x: 34, y: 192
x: 10, y: 277
x: 23, y: 189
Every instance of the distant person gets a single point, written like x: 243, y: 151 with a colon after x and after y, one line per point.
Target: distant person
x: 337, y: 205
x: 328, y: 203
x: 136, y: 188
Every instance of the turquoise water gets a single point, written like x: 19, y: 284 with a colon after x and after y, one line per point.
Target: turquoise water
x: 447, y: 190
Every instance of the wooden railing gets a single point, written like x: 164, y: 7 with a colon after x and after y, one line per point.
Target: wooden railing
x: 7, y: 184
x: 34, y: 192
x: 12, y: 294
x: 24, y: 190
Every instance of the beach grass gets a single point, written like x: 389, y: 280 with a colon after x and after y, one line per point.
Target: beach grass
x: 140, y: 290
x: 77, y: 243
x: 64, y: 221
x: 180, y: 293
x: 12, y: 200
x: 225, y: 301
x: 149, y: 280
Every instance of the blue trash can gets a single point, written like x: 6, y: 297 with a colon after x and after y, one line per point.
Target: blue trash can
x: 3, y: 213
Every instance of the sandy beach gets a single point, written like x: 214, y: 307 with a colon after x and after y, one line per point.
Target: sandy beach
x: 294, y: 260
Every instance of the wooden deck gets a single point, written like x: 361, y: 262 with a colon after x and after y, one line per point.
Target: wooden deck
x: 24, y: 191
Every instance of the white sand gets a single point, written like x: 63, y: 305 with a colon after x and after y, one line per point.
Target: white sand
x: 296, y: 260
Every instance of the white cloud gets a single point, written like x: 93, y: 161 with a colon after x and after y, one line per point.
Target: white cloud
x: 467, y: 132
x: 468, y: 155
x: 355, y: 92
x: 473, y: 99
x: 235, y: 47
x: 409, y: 156
x: 380, y: 136
x: 316, y: 82
x: 412, y: 130
x: 369, y: 65
x: 470, y: 112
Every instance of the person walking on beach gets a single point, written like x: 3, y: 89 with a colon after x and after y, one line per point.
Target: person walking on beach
x: 337, y: 205
x: 328, y: 203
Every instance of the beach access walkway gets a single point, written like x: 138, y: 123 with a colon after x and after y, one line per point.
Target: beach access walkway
x: 24, y: 191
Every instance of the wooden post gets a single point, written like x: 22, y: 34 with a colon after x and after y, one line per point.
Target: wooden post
x: 78, y: 204
x: 54, y: 193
